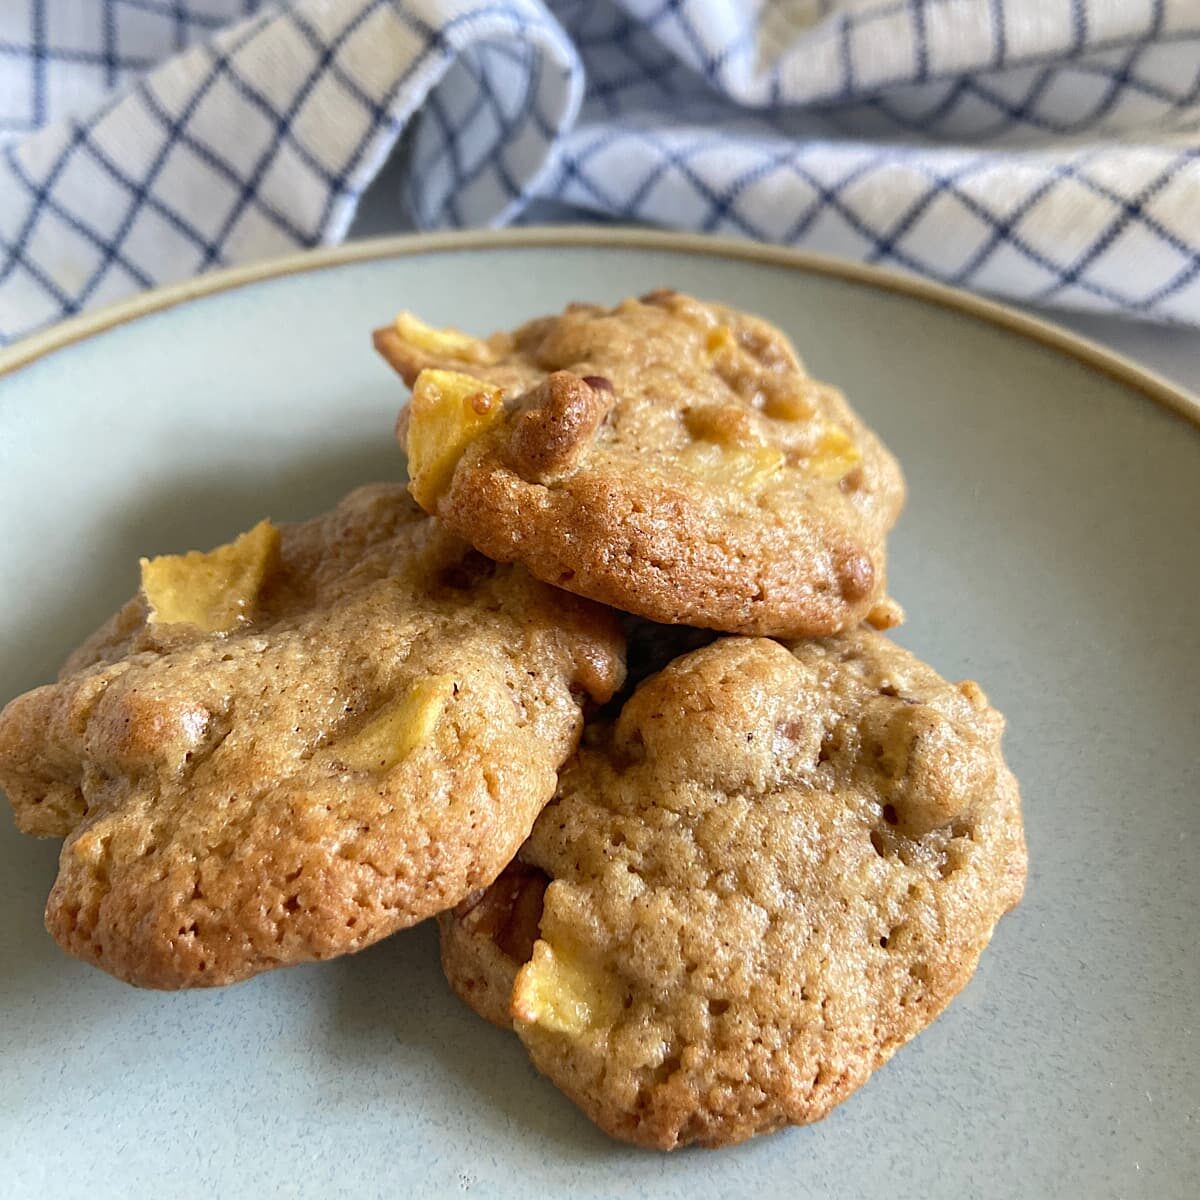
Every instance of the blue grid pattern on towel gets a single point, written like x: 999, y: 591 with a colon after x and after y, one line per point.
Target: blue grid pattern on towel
x: 1043, y: 149
x: 1068, y: 175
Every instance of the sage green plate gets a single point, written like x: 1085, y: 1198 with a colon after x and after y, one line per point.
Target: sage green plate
x: 1049, y: 550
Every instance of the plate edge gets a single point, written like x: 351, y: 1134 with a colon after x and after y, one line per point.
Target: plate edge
x: 1091, y: 354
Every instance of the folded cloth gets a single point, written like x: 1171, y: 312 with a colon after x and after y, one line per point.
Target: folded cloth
x: 1047, y: 150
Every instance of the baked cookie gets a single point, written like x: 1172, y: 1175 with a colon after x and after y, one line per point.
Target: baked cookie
x: 649, y: 647
x: 486, y: 938
x: 286, y: 748
x: 668, y: 457
x: 492, y: 932
x: 775, y: 868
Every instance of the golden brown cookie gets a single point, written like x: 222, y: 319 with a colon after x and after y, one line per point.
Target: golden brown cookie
x: 669, y: 457
x: 486, y: 938
x: 776, y: 867
x: 291, y: 746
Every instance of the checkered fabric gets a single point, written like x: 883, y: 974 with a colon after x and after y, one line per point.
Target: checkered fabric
x: 1047, y: 150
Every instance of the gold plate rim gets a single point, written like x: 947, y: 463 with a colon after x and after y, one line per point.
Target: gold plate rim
x: 1115, y: 366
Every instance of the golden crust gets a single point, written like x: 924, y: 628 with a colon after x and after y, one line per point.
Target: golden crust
x: 220, y: 795
x: 775, y: 868
x: 673, y: 459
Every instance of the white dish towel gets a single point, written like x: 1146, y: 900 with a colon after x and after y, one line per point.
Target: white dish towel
x: 1046, y: 150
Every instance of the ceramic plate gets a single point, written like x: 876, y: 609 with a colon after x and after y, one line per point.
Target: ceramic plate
x: 1049, y: 550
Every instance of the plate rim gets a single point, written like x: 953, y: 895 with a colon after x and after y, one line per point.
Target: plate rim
x: 1091, y: 354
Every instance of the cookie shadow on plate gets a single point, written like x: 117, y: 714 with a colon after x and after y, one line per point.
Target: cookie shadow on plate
x: 393, y: 999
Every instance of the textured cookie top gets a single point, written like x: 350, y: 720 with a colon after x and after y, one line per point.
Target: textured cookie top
x: 771, y: 871
x: 666, y: 456
x: 286, y: 748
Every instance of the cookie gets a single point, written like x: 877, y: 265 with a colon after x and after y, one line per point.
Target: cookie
x: 492, y: 932
x: 649, y: 647
x: 669, y: 457
x: 486, y: 938
x: 770, y: 872
x: 284, y: 749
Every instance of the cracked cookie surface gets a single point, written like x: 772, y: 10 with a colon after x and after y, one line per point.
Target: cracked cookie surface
x: 667, y: 456
x: 286, y: 748
x: 772, y: 870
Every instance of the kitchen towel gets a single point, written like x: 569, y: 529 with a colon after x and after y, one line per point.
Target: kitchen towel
x: 1044, y: 150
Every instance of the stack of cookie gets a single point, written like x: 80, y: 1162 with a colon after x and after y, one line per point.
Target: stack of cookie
x: 602, y: 688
